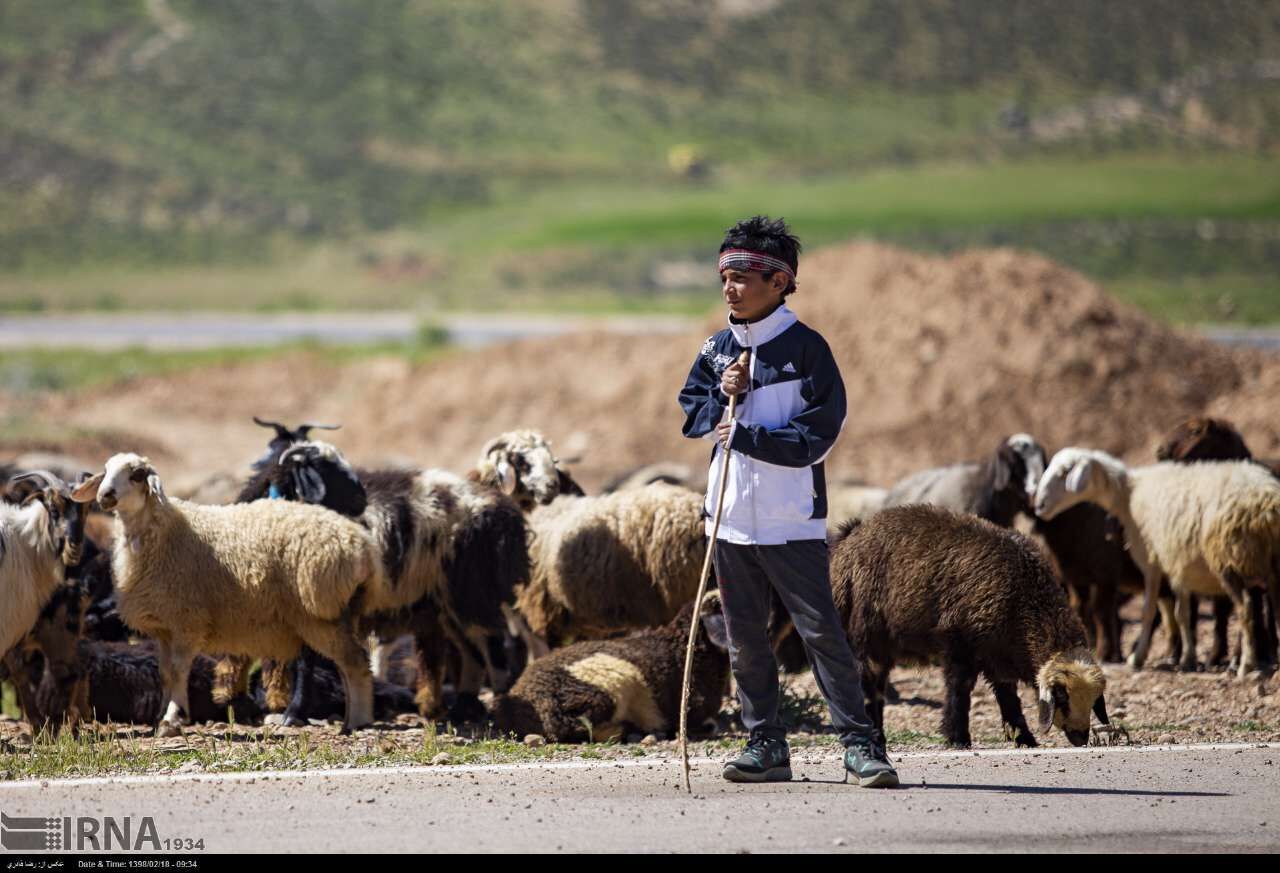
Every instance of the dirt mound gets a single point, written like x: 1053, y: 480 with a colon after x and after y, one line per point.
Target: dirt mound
x: 942, y: 357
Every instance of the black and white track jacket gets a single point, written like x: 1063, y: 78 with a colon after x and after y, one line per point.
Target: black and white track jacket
x: 787, y: 424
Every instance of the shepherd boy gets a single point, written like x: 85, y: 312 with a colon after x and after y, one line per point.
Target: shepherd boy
x: 773, y: 528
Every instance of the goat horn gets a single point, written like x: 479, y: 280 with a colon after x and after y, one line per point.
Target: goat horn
x: 300, y: 448
x: 282, y: 432
x: 48, y: 479
x: 499, y: 442
x: 303, y: 428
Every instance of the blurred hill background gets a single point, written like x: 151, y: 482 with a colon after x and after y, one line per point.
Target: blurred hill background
x: 583, y: 155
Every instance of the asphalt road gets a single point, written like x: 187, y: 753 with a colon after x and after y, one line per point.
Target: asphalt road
x: 192, y: 330
x: 1113, y: 799
x: 197, y: 330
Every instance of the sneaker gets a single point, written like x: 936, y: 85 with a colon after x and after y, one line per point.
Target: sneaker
x: 763, y: 760
x: 867, y: 761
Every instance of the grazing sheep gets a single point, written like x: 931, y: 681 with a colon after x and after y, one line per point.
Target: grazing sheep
x: 915, y: 582
x: 1210, y: 527
x: 996, y: 489
x: 615, y: 562
x: 603, y: 689
x: 521, y: 465
x: 258, y: 579
x: 37, y: 541
x: 455, y: 548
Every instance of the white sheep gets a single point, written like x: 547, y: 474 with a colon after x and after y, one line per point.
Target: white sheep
x: 258, y: 579
x: 31, y: 564
x: 1211, y: 527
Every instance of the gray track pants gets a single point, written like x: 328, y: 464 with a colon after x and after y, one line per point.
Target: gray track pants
x: 798, y: 572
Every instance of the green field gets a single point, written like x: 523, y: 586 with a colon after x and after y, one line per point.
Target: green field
x: 549, y: 155
x: 593, y: 246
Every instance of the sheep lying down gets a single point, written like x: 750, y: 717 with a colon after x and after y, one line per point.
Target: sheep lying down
x: 603, y: 689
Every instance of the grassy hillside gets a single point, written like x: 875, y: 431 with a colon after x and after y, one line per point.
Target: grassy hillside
x: 314, y: 153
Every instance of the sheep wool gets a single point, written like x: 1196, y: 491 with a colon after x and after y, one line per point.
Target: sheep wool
x: 916, y: 582
x: 229, y: 573
x: 30, y: 569
x: 601, y: 689
x: 618, y: 561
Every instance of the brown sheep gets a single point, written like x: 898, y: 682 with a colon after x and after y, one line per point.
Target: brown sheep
x: 603, y: 689
x: 915, y: 582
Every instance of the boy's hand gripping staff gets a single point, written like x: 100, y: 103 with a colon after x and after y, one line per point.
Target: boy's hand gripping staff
x: 745, y: 360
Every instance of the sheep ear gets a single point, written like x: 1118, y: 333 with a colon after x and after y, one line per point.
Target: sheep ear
x: 87, y: 491
x: 1045, y: 707
x: 156, y: 489
x: 1078, y: 478
x: 506, y: 477
x: 717, y: 633
x: 309, y: 484
x: 1100, y: 709
x: 1003, y: 472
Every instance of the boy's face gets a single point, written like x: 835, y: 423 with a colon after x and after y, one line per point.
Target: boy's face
x: 748, y: 295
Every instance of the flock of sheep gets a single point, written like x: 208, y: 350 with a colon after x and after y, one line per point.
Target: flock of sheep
x: 364, y: 593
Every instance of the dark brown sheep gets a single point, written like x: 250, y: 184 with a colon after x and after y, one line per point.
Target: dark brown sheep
x: 602, y: 689
x: 917, y: 582
x: 1088, y: 546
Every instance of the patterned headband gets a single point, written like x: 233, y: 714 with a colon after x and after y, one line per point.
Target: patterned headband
x: 744, y: 259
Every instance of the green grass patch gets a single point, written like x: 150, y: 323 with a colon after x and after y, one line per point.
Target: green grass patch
x: 595, y: 246
x: 98, y: 750
x: 915, y: 738
x: 1199, y: 299
x: 40, y: 370
x: 888, y: 201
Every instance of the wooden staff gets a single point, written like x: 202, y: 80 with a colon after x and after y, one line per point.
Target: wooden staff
x: 745, y: 360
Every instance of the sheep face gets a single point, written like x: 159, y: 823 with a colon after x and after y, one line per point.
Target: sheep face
x: 316, y: 472
x: 125, y: 485
x: 1070, y: 479
x: 65, y: 517
x: 1031, y: 455
x: 522, y: 466
x: 1071, y: 688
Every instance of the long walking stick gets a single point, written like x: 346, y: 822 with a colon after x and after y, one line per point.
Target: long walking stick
x: 745, y: 360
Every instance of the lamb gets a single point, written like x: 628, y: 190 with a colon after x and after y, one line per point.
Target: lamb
x: 614, y: 562
x: 997, y: 489
x: 459, y: 546
x: 1210, y: 527
x: 914, y: 582
x: 38, y: 539
x: 598, y: 690
x: 259, y: 579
